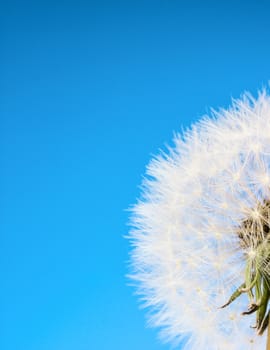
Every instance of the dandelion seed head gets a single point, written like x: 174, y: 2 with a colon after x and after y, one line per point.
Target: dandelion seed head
x: 204, y: 215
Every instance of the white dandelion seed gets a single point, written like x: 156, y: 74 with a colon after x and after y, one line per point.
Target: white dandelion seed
x: 200, y: 232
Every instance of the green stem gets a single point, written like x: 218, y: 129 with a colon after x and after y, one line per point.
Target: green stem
x: 268, y: 337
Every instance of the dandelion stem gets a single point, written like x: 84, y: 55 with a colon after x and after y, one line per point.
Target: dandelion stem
x: 268, y: 338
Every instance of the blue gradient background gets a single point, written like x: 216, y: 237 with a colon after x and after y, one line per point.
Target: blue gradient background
x: 90, y: 90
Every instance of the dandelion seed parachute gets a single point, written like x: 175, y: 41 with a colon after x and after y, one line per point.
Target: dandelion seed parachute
x: 188, y: 256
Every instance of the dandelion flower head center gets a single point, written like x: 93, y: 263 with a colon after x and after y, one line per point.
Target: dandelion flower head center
x: 255, y: 230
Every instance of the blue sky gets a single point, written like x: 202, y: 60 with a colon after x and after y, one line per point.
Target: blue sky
x: 90, y: 91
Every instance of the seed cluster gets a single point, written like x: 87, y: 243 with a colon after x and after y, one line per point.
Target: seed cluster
x: 255, y: 229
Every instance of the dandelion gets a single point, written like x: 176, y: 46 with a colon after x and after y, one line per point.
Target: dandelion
x: 201, y: 232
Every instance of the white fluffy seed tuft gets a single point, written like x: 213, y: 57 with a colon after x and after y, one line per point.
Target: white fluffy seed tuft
x: 186, y: 258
